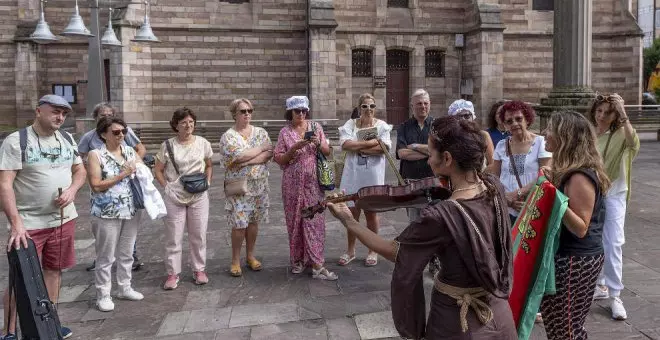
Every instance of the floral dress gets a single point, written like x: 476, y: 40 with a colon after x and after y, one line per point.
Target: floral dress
x: 116, y: 202
x: 253, y: 206
x: 300, y: 189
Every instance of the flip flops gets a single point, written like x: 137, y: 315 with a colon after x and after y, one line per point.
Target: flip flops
x: 254, y: 264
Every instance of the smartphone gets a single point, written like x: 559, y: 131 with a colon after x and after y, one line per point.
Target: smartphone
x: 309, y: 135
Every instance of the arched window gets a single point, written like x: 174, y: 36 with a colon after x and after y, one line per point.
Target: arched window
x: 362, y: 62
x: 397, y: 3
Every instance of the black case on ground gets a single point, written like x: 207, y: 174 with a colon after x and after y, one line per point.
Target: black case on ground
x: 36, y: 313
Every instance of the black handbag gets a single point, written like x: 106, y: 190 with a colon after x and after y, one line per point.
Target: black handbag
x: 193, y: 183
x: 138, y: 195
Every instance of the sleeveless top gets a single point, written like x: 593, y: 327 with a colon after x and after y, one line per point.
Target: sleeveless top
x: 592, y: 243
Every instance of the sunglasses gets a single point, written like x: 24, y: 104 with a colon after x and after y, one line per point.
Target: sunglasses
x: 467, y: 116
x: 118, y: 132
x: 246, y: 111
x: 511, y: 120
x: 365, y: 106
x: 605, y: 98
x: 300, y: 111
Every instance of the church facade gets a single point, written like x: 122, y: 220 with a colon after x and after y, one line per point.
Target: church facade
x: 212, y: 52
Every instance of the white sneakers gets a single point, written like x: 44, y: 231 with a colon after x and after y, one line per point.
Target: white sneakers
x: 129, y: 293
x: 616, y: 305
x: 105, y: 304
x: 618, y: 311
x: 601, y: 293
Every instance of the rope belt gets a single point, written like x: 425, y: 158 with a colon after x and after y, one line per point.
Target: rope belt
x: 466, y: 298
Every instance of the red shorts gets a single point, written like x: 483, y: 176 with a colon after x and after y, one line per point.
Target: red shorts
x: 55, y: 246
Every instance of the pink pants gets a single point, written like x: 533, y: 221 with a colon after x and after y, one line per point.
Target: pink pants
x: 194, y: 218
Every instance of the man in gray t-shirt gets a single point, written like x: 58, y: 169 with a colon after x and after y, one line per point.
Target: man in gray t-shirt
x: 91, y: 141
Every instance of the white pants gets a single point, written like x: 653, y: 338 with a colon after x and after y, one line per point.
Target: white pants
x: 113, y: 236
x: 613, y: 240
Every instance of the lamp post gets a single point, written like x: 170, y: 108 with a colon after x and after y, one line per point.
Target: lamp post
x: 76, y: 27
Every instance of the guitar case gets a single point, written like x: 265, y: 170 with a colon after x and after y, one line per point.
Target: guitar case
x: 36, y: 313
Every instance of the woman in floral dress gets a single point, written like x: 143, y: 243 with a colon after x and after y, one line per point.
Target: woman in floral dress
x: 300, y: 187
x: 246, y: 150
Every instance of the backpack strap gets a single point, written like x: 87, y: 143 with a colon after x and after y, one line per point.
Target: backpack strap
x: 68, y: 138
x: 22, y: 138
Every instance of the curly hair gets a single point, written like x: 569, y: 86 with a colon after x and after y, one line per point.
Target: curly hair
x: 179, y: 115
x: 517, y: 105
x: 576, y: 148
x: 611, y: 108
x: 492, y: 122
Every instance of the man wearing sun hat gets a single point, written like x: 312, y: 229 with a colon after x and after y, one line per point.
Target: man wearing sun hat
x: 35, y: 162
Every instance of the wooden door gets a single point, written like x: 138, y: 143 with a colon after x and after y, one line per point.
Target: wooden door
x: 397, y: 86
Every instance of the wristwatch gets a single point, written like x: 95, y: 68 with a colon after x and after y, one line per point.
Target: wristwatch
x: 519, y: 192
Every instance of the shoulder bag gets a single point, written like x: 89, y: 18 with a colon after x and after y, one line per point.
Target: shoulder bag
x: 193, y: 183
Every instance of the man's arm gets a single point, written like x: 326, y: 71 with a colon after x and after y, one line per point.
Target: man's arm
x: 410, y: 155
x: 133, y: 141
x: 78, y: 176
x: 18, y: 235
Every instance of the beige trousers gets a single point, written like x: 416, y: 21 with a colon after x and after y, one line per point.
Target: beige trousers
x: 113, y: 237
x: 195, y: 219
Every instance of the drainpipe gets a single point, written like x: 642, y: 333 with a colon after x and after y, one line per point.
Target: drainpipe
x: 308, y: 37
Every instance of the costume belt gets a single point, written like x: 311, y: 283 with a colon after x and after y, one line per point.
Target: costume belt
x: 466, y: 298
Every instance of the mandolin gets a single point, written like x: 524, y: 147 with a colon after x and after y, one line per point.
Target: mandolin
x: 379, y: 198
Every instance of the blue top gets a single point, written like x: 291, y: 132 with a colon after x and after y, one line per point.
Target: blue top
x: 496, y: 135
x: 91, y: 141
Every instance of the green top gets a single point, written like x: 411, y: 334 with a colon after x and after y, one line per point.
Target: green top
x: 616, y: 152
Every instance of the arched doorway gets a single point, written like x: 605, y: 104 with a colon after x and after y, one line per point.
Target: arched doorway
x: 397, y: 86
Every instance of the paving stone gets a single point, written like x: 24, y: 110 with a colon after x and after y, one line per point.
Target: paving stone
x: 303, y: 330
x: 203, y: 320
x: 376, y: 325
x: 95, y: 314
x: 261, y: 314
x: 342, y: 329
x: 239, y: 333
x: 83, y: 243
x: 174, y: 323
x: 71, y: 293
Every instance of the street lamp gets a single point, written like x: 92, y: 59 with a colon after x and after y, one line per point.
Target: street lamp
x: 76, y: 27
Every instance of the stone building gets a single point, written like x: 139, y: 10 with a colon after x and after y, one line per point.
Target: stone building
x: 266, y: 50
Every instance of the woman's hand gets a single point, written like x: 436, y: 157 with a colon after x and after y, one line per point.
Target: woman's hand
x: 315, y: 140
x: 340, y: 210
x: 619, y: 102
x: 300, y: 144
x: 266, y: 147
x: 547, y: 172
x: 128, y: 169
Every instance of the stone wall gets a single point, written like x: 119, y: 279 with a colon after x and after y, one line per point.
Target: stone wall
x: 7, y: 84
x: 207, y: 70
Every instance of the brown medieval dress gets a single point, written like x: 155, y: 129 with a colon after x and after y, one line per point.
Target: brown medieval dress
x: 471, y: 257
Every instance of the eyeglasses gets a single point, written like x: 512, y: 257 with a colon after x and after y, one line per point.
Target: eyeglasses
x: 365, y: 106
x: 518, y: 120
x: 466, y: 116
x: 300, y: 111
x: 118, y: 132
x: 52, y: 156
x: 246, y: 111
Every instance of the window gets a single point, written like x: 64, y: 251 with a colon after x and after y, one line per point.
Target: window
x: 361, y: 62
x: 397, y: 3
x: 543, y: 5
x: 66, y: 91
x: 435, y: 63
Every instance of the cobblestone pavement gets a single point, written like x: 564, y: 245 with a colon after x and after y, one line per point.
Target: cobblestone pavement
x: 274, y: 304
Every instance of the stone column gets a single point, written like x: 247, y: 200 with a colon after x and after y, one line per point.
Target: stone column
x: 322, y: 59
x: 571, y: 70
x: 27, y: 82
x: 380, y: 77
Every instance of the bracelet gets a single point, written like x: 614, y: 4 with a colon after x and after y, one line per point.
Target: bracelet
x: 623, y: 120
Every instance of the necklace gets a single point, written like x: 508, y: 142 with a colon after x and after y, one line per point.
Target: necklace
x: 473, y: 186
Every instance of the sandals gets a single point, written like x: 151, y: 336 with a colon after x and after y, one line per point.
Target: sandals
x: 297, y: 268
x: 324, y: 274
x: 235, y: 270
x: 254, y: 264
x: 345, y: 259
x: 371, y: 260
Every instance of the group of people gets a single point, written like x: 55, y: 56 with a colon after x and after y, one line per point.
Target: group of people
x: 490, y: 173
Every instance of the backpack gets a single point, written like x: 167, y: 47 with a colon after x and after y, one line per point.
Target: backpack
x: 23, y: 137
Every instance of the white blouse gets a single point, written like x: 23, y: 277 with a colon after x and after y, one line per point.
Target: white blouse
x: 527, y: 165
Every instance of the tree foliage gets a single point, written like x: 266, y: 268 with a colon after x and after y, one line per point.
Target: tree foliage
x: 651, y: 58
